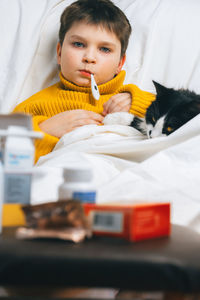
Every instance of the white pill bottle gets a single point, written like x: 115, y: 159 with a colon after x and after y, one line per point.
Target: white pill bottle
x: 78, y: 185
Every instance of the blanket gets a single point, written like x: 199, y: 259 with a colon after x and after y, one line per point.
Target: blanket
x: 127, y: 167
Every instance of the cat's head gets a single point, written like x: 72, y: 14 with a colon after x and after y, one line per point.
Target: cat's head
x: 170, y: 110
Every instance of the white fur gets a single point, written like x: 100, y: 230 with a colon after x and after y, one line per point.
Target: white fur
x: 118, y: 118
x: 149, y: 130
x: 156, y: 131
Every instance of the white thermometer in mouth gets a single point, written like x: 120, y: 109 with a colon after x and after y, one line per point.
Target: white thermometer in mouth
x: 94, y: 88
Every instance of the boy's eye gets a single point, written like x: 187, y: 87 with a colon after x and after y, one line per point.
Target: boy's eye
x: 105, y: 49
x: 78, y: 44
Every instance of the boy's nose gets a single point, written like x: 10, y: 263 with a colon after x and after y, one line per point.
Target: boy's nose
x: 89, y: 58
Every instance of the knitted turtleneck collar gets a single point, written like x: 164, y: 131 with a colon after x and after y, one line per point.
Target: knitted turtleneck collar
x: 106, y: 88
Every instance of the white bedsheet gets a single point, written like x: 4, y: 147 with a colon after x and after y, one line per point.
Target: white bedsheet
x: 129, y: 168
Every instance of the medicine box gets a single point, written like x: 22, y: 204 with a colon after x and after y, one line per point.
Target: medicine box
x: 134, y: 222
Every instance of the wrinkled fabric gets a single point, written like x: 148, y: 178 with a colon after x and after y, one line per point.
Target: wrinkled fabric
x: 127, y: 167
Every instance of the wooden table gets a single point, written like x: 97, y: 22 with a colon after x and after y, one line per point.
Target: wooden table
x: 166, y: 264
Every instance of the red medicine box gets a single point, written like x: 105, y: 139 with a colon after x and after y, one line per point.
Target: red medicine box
x: 134, y: 222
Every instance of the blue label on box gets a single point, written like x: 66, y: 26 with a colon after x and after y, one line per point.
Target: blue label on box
x: 85, y: 197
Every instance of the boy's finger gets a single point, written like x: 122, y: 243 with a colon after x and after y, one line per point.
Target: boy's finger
x: 83, y: 122
x: 114, y: 105
x: 95, y: 116
x: 122, y: 108
x: 115, y: 101
x: 105, y: 108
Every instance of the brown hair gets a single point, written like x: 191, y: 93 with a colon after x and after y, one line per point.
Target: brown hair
x: 97, y: 12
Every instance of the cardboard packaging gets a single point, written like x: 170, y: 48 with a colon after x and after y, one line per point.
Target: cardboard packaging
x: 134, y: 222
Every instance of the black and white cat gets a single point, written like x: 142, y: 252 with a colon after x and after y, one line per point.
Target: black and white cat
x: 170, y: 110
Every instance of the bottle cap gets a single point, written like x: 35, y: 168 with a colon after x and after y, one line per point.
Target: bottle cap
x: 77, y: 174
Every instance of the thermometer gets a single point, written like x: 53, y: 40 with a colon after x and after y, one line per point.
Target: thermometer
x: 94, y: 88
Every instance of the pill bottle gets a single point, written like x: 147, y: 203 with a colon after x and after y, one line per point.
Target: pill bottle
x: 18, y: 160
x: 77, y: 185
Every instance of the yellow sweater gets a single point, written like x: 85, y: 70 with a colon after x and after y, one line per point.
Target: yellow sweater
x: 65, y: 95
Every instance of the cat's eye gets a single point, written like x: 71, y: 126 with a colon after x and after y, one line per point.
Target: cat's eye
x: 169, y: 129
x: 153, y: 119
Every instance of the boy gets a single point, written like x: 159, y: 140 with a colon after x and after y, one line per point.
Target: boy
x: 93, y: 38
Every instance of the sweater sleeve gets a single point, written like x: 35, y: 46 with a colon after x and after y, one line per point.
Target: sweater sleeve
x: 141, y: 100
x: 45, y: 145
x: 42, y: 146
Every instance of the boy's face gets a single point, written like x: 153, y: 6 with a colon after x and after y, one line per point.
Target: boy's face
x: 89, y: 49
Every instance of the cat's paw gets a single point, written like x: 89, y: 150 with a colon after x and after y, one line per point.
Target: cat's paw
x: 118, y: 118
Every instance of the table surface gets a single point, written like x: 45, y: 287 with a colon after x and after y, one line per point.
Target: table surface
x: 170, y: 263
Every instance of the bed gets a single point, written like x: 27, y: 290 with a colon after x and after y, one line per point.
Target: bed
x: 165, y: 47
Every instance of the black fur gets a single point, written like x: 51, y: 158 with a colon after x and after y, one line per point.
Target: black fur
x: 176, y: 106
x: 138, y: 124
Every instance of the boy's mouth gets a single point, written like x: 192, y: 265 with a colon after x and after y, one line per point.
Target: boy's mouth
x: 86, y: 73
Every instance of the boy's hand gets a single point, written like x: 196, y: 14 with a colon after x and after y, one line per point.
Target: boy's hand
x: 118, y: 102
x: 67, y: 121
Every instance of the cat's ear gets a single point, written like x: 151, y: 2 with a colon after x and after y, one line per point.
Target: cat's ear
x: 160, y: 89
